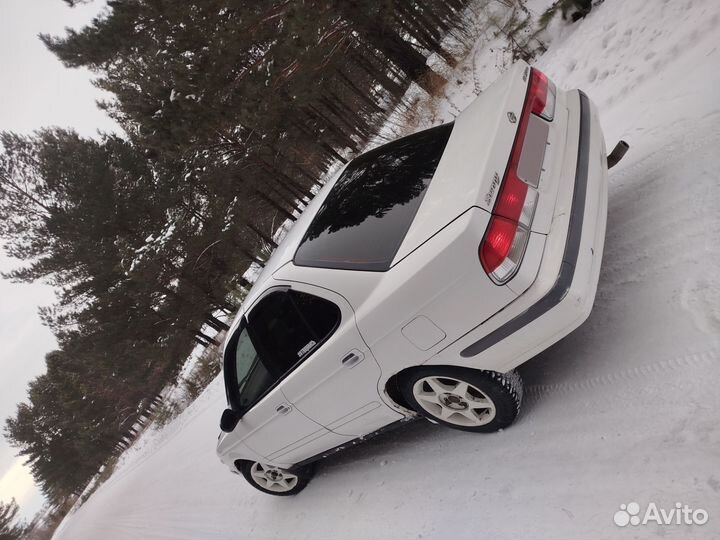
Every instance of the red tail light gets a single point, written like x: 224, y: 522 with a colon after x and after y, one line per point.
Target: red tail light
x: 506, y: 238
x: 542, y: 95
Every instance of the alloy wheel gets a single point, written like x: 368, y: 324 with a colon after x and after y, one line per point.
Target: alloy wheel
x: 272, y: 478
x: 454, y: 401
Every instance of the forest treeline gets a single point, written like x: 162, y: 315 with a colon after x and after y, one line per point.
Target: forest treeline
x: 231, y: 111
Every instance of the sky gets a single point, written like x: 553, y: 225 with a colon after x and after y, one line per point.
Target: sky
x: 36, y: 91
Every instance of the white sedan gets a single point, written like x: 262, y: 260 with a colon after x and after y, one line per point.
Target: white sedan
x: 418, y: 280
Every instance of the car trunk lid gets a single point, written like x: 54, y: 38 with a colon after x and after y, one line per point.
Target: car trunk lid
x: 475, y: 158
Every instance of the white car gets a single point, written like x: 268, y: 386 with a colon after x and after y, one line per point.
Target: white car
x: 418, y: 280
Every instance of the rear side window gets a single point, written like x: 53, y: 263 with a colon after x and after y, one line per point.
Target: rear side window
x: 283, y: 330
x: 287, y: 326
x: 368, y: 212
x: 322, y: 316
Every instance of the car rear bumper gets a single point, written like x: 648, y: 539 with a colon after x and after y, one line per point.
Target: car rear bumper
x: 562, y: 295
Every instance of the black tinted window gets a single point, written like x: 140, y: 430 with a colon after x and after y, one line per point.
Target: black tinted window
x: 283, y: 329
x: 288, y: 325
x: 322, y: 316
x: 281, y: 335
x: 366, y: 215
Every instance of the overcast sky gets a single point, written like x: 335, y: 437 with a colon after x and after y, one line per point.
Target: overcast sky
x: 36, y: 91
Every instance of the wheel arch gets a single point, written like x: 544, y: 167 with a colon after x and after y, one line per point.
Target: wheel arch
x: 392, y: 388
x: 238, y: 463
x: 392, y: 385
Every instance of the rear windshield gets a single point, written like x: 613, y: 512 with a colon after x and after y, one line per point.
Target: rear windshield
x: 366, y: 215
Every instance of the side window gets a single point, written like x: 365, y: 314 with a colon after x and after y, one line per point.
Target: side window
x: 251, y: 376
x: 287, y: 326
x: 322, y: 315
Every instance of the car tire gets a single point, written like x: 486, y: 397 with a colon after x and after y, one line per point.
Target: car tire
x: 274, y: 480
x: 462, y: 398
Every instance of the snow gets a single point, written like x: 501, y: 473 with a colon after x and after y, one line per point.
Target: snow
x: 624, y: 409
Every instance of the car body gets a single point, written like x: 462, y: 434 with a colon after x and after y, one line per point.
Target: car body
x: 487, y: 254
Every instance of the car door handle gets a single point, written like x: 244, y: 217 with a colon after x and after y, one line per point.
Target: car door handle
x: 351, y: 360
x: 283, y: 409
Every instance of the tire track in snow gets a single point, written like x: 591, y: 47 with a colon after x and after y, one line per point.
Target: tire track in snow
x: 634, y: 252
x: 694, y: 360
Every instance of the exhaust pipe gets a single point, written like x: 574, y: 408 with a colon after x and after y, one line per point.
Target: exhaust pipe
x: 617, y: 154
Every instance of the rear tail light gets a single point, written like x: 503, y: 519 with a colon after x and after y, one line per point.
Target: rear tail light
x: 542, y: 95
x: 507, y: 235
x: 503, y: 248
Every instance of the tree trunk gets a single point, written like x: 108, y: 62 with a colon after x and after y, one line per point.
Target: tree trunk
x: 273, y: 177
x: 296, y: 166
x: 275, y: 205
x: 339, y: 131
x: 395, y: 48
x: 216, y: 323
x: 245, y: 283
x: 358, y: 92
x: 299, y: 190
x: 261, y: 234
x: 249, y: 255
x: 425, y: 34
x: 292, y: 203
x: 204, y: 339
x: 377, y: 74
x: 355, y: 115
x: 323, y: 145
x: 351, y: 124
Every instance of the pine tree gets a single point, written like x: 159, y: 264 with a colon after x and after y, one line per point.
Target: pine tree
x: 231, y: 111
x: 10, y: 529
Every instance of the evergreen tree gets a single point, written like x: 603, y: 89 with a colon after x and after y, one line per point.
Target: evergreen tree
x: 10, y: 529
x: 231, y: 112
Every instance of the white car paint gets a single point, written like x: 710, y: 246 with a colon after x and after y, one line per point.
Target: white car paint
x: 436, y: 300
x: 339, y: 394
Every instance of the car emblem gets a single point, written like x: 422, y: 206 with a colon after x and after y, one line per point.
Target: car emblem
x: 512, y: 117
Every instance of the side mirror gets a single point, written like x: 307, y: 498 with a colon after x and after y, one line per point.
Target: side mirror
x: 229, y: 420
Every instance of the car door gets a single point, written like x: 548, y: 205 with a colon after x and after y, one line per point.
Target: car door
x: 336, y: 385
x: 269, y: 425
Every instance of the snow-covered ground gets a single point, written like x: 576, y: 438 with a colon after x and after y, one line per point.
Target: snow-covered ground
x: 625, y: 409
